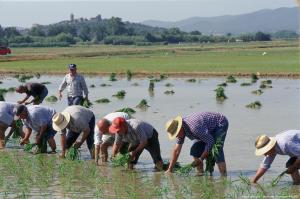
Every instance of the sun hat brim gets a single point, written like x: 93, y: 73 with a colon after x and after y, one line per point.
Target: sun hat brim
x: 64, y: 124
x: 265, y: 149
x: 173, y: 136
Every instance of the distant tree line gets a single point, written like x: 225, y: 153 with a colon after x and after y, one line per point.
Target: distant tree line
x: 116, y: 32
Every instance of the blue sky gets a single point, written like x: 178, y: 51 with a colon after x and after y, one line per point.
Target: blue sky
x: 24, y: 13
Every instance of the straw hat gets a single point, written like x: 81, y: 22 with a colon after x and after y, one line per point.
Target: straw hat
x: 60, y: 121
x: 173, y: 127
x: 263, y: 144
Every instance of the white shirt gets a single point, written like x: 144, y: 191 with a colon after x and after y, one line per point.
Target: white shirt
x: 98, y: 136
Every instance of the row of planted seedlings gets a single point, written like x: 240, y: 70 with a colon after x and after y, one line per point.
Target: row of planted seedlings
x: 220, y: 90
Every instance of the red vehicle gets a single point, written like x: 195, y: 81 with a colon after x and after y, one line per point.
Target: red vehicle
x: 4, y: 50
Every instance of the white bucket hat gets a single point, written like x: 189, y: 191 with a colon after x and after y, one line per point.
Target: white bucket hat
x: 173, y: 127
x: 60, y: 121
x: 263, y: 144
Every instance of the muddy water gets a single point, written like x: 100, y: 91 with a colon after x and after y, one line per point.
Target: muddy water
x: 280, y: 111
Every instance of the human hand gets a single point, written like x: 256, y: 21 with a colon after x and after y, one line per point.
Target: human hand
x: 197, y: 162
x: 20, y: 102
x: 77, y: 144
x: 59, y: 95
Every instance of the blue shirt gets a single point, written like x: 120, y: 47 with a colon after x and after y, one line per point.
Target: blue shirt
x: 201, y: 126
x: 6, y: 112
x: 38, y: 116
x: 287, y: 143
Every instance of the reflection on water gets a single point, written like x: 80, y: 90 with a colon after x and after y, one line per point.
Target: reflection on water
x: 280, y: 111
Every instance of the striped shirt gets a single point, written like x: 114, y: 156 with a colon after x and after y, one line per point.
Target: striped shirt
x: 75, y: 85
x: 38, y: 116
x: 287, y: 143
x: 201, y: 126
x: 138, y: 131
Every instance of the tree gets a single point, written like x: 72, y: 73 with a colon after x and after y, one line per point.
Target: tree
x: 85, y: 33
x: 37, y: 31
x: 286, y: 34
x: 116, y: 26
x: 65, y: 37
x: 11, y: 32
x: 260, y: 36
x: 195, y: 32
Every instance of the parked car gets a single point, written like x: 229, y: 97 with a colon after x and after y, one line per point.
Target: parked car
x: 4, y: 50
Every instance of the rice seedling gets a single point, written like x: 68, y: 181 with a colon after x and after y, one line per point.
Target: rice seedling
x: 11, y: 89
x: 45, y: 83
x: 277, y: 179
x: 121, y: 160
x: 212, y: 155
x: 254, y: 105
x: 169, y: 85
x: 245, y: 84
x: 23, y: 78
x: 143, y: 104
x: 2, y: 97
x: 155, y: 80
x: 191, y: 80
x: 129, y: 75
x: 28, y: 147
x: 169, y: 92
x: 257, y: 92
x: 220, y: 94
x: 37, y: 75
x: 267, y: 81
x: 86, y: 103
x: 166, y: 164
x: 104, y: 85
x: 73, y: 154
x: 224, y: 84
x: 244, y: 179
x: 163, y: 76
x: 151, y: 86
x: 18, y: 129
x: 51, y: 99
x: 92, y: 86
x: 254, y: 78
x: 102, y: 100
x: 120, y: 94
x: 231, y: 79
x: 127, y: 110
x: 112, y: 77
x: 1, y: 82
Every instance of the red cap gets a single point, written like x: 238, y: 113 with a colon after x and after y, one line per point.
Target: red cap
x: 117, y: 124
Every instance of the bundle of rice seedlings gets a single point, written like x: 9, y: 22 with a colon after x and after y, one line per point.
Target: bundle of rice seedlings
x: 169, y: 85
x: 120, y: 94
x: 244, y: 179
x: 112, y: 77
x: 169, y: 92
x: 24, y: 78
x: 86, y: 103
x: 212, y: 155
x: 254, y: 105
x: 42, y: 147
x: 254, y: 78
x: 11, y: 89
x: 166, y: 164
x: 2, y: 97
x: 231, y: 79
x: 38, y: 75
x: 277, y: 179
x: 28, y: 147
x: 245, y: 84
x: 191, y: 80
x: 127, y: 110
x: 224, y: 84
x: 121, y: 160
x: 51, y: 99
x: 267, y: 81
x: 129, y: 75
x: 102, y: 100
x: 257, y: 92
x: 73, y: 154
x: 220, y: 94
x: 104, y: 85
x: 184, y: 170
x: 135, y: 84
x: 143, y: 104
x: 92, y: 86
x: 163, y: 76
x: 18, y: 129
x: 45, y: 83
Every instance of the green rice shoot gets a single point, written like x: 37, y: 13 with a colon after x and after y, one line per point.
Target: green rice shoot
x: 73, y: 154
x: 212, y: 155
x: 121, y: 160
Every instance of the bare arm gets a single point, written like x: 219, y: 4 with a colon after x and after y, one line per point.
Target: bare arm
x: 24, y: 100
x: 175, y: 155
x: 63, y: 144
x: 116, y: 148
x: 41, y: 134
x: 62, y: 86
x: 84, y: 88
x: 97, y: 150
x: 27, y: 136
x: 13, y: 126
x: 140, y: 147
x: 260, y: 172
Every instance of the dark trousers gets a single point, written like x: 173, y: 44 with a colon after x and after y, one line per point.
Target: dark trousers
x: 74, y: 100
x: 72, y: 136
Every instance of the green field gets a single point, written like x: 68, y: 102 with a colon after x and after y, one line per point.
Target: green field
x: 282, y: 58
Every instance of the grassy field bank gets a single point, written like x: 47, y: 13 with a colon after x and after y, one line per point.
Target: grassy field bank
x: 282, y: 57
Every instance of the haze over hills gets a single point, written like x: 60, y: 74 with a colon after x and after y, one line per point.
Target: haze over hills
x: 263, y: 20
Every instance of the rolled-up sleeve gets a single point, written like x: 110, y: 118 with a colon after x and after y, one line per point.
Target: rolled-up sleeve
x: 63, y: 84
x: 267, y: 161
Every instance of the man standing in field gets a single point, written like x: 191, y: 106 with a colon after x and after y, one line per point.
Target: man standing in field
x: 103, y: 138
x: 140, y: 135
x: 75, y: 85
x: 285, y: 143
x: 38, y: 119
x: 36, y: 90
x: 73, y: 121
x: 206, y: 127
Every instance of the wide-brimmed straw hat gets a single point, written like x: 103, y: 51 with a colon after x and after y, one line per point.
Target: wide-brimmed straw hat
x: 263, y: 144
x: 173, y: 127
x: 60, y: 121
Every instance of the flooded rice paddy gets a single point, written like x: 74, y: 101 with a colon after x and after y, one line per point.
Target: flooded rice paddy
x: 46, y: 176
